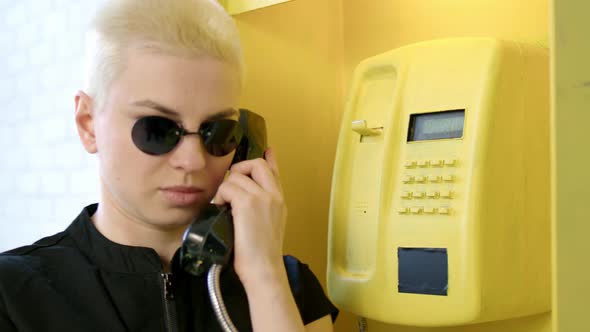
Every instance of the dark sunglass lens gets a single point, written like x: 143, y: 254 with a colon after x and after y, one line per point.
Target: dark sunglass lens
x: 155, y: 135
x: 221, y: 137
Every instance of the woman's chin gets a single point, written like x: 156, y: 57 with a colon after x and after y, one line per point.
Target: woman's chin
x: 173, y: 220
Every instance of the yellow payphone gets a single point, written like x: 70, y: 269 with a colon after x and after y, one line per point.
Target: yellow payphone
x: 440, y: 194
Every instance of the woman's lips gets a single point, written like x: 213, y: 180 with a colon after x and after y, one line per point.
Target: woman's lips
x: 182, y: 196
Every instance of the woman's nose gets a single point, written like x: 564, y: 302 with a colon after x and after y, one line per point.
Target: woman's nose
x: 190, y: 154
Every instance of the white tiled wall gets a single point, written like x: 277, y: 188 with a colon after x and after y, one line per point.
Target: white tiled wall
x: 46, y: 177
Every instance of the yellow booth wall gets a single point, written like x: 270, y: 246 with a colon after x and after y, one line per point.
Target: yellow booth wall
x: 300, y: 56
x: 571, y: 186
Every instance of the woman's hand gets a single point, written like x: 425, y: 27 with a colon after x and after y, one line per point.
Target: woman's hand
x: 254, y: 191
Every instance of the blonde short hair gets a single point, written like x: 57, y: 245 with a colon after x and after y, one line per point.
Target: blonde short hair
x: 187, y: 28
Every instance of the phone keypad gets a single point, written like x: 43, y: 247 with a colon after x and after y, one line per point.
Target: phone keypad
x: 448, y: 178
x: 429, y: 187
x: 444, y: 210
x: 446, y: 194
x: 450, y: 162
x: 433, y: 194
x: 430, y: 210
x: 418, y: 194
x: 436, y: 163
x: 410, y: 164
x: 420, y: 179
x: 416, y: 209
x: 407, y: 195
x: 434, y: 178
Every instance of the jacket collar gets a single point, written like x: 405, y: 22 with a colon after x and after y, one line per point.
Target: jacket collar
x: 107, y: 254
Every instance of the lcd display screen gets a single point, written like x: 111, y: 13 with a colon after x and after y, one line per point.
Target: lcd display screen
x: 438, y: 125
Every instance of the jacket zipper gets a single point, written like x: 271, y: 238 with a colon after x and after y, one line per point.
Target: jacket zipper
x: 169, y: 307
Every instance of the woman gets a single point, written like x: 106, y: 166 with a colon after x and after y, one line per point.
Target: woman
x: 162, y: 64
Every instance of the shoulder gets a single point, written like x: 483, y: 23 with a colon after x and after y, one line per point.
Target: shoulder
x: 32, y: 270
x: 18, y: 262
x: 17, y: 272
x: 39, y: 244
x: 299, y: 274
x: 312, y: 301
x: 294, y: 269
x: 14, y: 265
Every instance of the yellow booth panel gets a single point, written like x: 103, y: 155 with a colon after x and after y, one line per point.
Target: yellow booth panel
x: 440, y: 193
x: 235, y: 7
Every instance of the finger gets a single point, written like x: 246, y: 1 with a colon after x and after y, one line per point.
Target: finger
x: 270, y: 157
x: 260, y: 172
x: 273, y: 164
x: 227, y: 193
x: 245, y: 182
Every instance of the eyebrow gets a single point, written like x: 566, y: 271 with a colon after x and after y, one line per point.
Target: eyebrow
x: 167, y: 110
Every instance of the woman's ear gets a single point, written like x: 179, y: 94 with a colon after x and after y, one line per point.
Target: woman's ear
x: 85, y: 117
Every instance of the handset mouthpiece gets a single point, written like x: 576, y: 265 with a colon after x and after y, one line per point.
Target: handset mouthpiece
x: 208, y: 241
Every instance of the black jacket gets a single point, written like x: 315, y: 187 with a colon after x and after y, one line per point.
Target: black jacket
x: 78, y: 280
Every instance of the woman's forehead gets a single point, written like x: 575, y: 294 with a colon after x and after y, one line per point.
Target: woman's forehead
x: 207, y: 114
x: 178, y: 66
x: 176, y: 86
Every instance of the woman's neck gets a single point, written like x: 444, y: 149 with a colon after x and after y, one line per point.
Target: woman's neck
x: 122, y: 228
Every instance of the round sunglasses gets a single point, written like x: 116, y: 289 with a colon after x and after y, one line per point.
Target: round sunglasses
x: 157, y: 135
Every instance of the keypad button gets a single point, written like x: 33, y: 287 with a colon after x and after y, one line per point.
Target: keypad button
x: 432, y: 194
x: 450, y: 162
x: 423, y: 163
x: 420, y: 179
x: 430, y: 210
x: 403, y: 210
x: 407, y: 194
x: 418, y: 194
x: 408, y: 179
x: 446, y: 194
x: 416, y: 210
x: 448, y: 178
x: 436, y: 163
x: 410, y: 163
x: 434, y: 178
x: 444, y: 210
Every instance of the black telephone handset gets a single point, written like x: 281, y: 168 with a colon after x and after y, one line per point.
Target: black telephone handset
x: 209, y: 240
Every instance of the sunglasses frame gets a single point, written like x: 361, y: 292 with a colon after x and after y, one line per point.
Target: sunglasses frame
x: 139, y: 129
